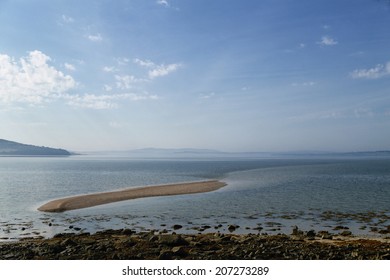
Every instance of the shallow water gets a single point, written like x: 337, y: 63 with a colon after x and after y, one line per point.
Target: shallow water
x: 266, y: 196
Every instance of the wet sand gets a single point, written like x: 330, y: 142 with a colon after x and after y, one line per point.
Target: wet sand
x: 89, y: 200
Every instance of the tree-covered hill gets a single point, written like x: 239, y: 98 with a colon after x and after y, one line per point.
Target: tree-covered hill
x: 10, y: 148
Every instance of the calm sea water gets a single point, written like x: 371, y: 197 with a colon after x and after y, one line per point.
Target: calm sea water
x: 267, y: 196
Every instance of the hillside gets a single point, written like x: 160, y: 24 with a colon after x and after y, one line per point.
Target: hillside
x: 10, y: 148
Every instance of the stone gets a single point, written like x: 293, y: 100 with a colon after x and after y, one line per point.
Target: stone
x: 346, y: 233
x: 176, y: 227
x: 311, y: 234
x: 171, y: 240
x: 165, y: 255
x: 296, y: 231
x: 179, y: 251
x: 153, y: 238
x: 232, y: 228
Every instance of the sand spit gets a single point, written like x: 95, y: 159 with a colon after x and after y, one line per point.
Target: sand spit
x: 89, y: 200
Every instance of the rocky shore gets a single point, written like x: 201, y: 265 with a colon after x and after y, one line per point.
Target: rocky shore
x: 126, y: 244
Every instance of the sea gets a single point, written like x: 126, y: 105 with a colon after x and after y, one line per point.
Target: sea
x: 262, y: 196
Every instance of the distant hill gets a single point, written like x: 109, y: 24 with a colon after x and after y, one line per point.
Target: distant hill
x: 210, y: 154
x: 10, y: 148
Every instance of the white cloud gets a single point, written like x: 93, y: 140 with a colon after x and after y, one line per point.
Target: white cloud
x: 163, y: 3
x: 107, y: 88
x: 377, y: 72
x: 207, y: 96
x: 145, y: 63
x: 163, y: 70
x: 67, y: 19
x: 126, y: 81
x: 31, y: 79
x: 105, y: 101
x: 363, y: 113
x: 304, y: 84
x: 327, y: 41
x: 109, y: 69
x: 122, y: 60
x: 70, y: 67
x: 157, y: 70
x: 95, y: 38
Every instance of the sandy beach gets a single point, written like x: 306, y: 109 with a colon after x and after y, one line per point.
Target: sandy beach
x: 89, y: 200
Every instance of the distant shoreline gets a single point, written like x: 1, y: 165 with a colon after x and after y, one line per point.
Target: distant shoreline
x: 90, y: 200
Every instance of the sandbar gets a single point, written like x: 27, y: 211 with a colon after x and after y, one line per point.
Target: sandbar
x: 89, y: 200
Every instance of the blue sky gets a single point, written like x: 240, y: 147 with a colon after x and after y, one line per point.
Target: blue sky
x: 269, y: 75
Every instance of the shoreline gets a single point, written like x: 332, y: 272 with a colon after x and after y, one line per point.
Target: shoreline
x: 90, y: 200
x: 126, y: 244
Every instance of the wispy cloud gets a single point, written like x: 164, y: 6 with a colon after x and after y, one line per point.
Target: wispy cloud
x: 156, y: 70
x: 304, y: 84
x: 207, y: 95
x: 31, y: 79
x: 104, y: 101
x: 109, y: 69
x: 163, y: 70
x: 126, y: 81
x: 327, y: 41
x: 67, y: 19
x: 163, y: 3
x: 70, y: 67
x: 95, y: 37
x: 363, y: 113
x: 379, y: 71
x: 122, y: 60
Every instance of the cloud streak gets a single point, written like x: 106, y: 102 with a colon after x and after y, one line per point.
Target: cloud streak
x: 156, y: 70
x: 105, y: 101
x: 95, y: 37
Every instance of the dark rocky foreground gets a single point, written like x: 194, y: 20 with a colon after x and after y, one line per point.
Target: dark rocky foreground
x: 126, y: 244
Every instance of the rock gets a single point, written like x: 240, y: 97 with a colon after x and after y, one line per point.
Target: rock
x: 171, y: 240
x: 127, y: 231
x: 153, y: 238
x: 259, y: 228
x: 346, y: 233
x: 340, y: 228
x: 165, y: 255
x: 325, y: 235
x: 232, y: 228
x: 296, y: 231
x: 67, y: 242
x: 179, y: 251
x: 176, y: 227
x: 311, y: 234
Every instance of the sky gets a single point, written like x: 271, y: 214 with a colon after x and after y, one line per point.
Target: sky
x: 251, y: 75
